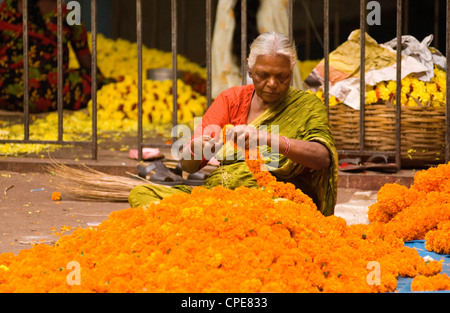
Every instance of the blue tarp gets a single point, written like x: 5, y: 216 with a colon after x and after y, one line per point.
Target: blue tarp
x: 404, y: 284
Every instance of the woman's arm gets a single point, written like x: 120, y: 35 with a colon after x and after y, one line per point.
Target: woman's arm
x: 311, y: 154
x: 206, y: 139
x: 198, y: 151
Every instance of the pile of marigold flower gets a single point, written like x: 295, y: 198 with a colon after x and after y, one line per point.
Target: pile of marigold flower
x: 216, y: 240
x: 419, y: 212
x: 222, y: 240
x: 118, y: 101
x: 410, y: 213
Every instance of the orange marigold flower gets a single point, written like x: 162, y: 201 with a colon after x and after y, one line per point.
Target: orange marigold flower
x: 431, y: 283
x: 439, y: 240
x: 56, y: 196
x: 410, y: 213
x: 270, y: 239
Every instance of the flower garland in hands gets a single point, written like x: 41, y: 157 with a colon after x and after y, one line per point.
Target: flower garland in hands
x: 264, y: 178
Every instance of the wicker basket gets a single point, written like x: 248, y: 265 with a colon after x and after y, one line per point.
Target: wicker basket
x: 422, y: 131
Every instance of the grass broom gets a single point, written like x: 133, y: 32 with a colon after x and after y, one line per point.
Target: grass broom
x: 85, y: 183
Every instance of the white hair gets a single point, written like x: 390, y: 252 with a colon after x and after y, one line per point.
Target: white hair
x: 272, y: 43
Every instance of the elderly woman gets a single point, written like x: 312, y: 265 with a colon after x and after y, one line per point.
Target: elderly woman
x: 270, y: 112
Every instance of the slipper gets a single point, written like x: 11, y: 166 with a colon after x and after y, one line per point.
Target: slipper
x: 383, y: 166
x: 351, y: 165
x: 196, y: 179
x: 148, y: 154
x: 193, y: 179
x: 157, y: 172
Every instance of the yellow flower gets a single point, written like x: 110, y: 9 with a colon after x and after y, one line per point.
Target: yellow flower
x: 333, y: 101
x: 371, y: 97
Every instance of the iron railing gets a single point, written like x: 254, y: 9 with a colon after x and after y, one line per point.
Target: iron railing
x: 174, y: 32
x: 26, y: 114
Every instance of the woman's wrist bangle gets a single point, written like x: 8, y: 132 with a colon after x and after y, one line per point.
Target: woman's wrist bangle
x: 288, y: 145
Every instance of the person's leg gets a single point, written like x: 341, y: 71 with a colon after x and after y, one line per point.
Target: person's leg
x: 143, y: 195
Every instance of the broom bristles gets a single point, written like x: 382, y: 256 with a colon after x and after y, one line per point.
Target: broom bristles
x: 86, y: 183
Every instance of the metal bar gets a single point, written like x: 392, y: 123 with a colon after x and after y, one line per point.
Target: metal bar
x: 244, y: 41
x: 326, y: 51
x: 60, y: 70
x: 290, y: 21
x: 208, y: 52
x: 139, y: 76
x: 94, y: 77
x: 447, y: 101
x: 174, y: 64
x: 26, y: 90
x: 398, y: 111
x: 362, y: 85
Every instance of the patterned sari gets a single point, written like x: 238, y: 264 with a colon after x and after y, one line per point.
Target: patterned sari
x: 298, y: 115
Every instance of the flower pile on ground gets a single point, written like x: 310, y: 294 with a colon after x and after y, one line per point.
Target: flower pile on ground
x: 217, y: 240
x: 419, y: 212
x: 431, y: 283
x: 118, y: 58
x: 118, y: 101
x: 410, y: 213
x: 221, y: 240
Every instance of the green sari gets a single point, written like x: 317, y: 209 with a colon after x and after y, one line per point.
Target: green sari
x: 298, y: 115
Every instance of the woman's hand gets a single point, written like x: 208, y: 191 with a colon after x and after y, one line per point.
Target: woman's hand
x: 209, y: 146
x: 311, y: 154
x: 247, y: 136
x: 199, y: 148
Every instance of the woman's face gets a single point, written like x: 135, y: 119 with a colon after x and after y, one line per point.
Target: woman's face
x: 271, y: 76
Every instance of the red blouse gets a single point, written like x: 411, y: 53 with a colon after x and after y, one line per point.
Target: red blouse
x: 230, y: 107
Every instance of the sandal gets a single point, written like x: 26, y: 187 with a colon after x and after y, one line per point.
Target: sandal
x: 157, y: 172
x: 382, y: 166
x: 351, y: 165
x: 193, y: 179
